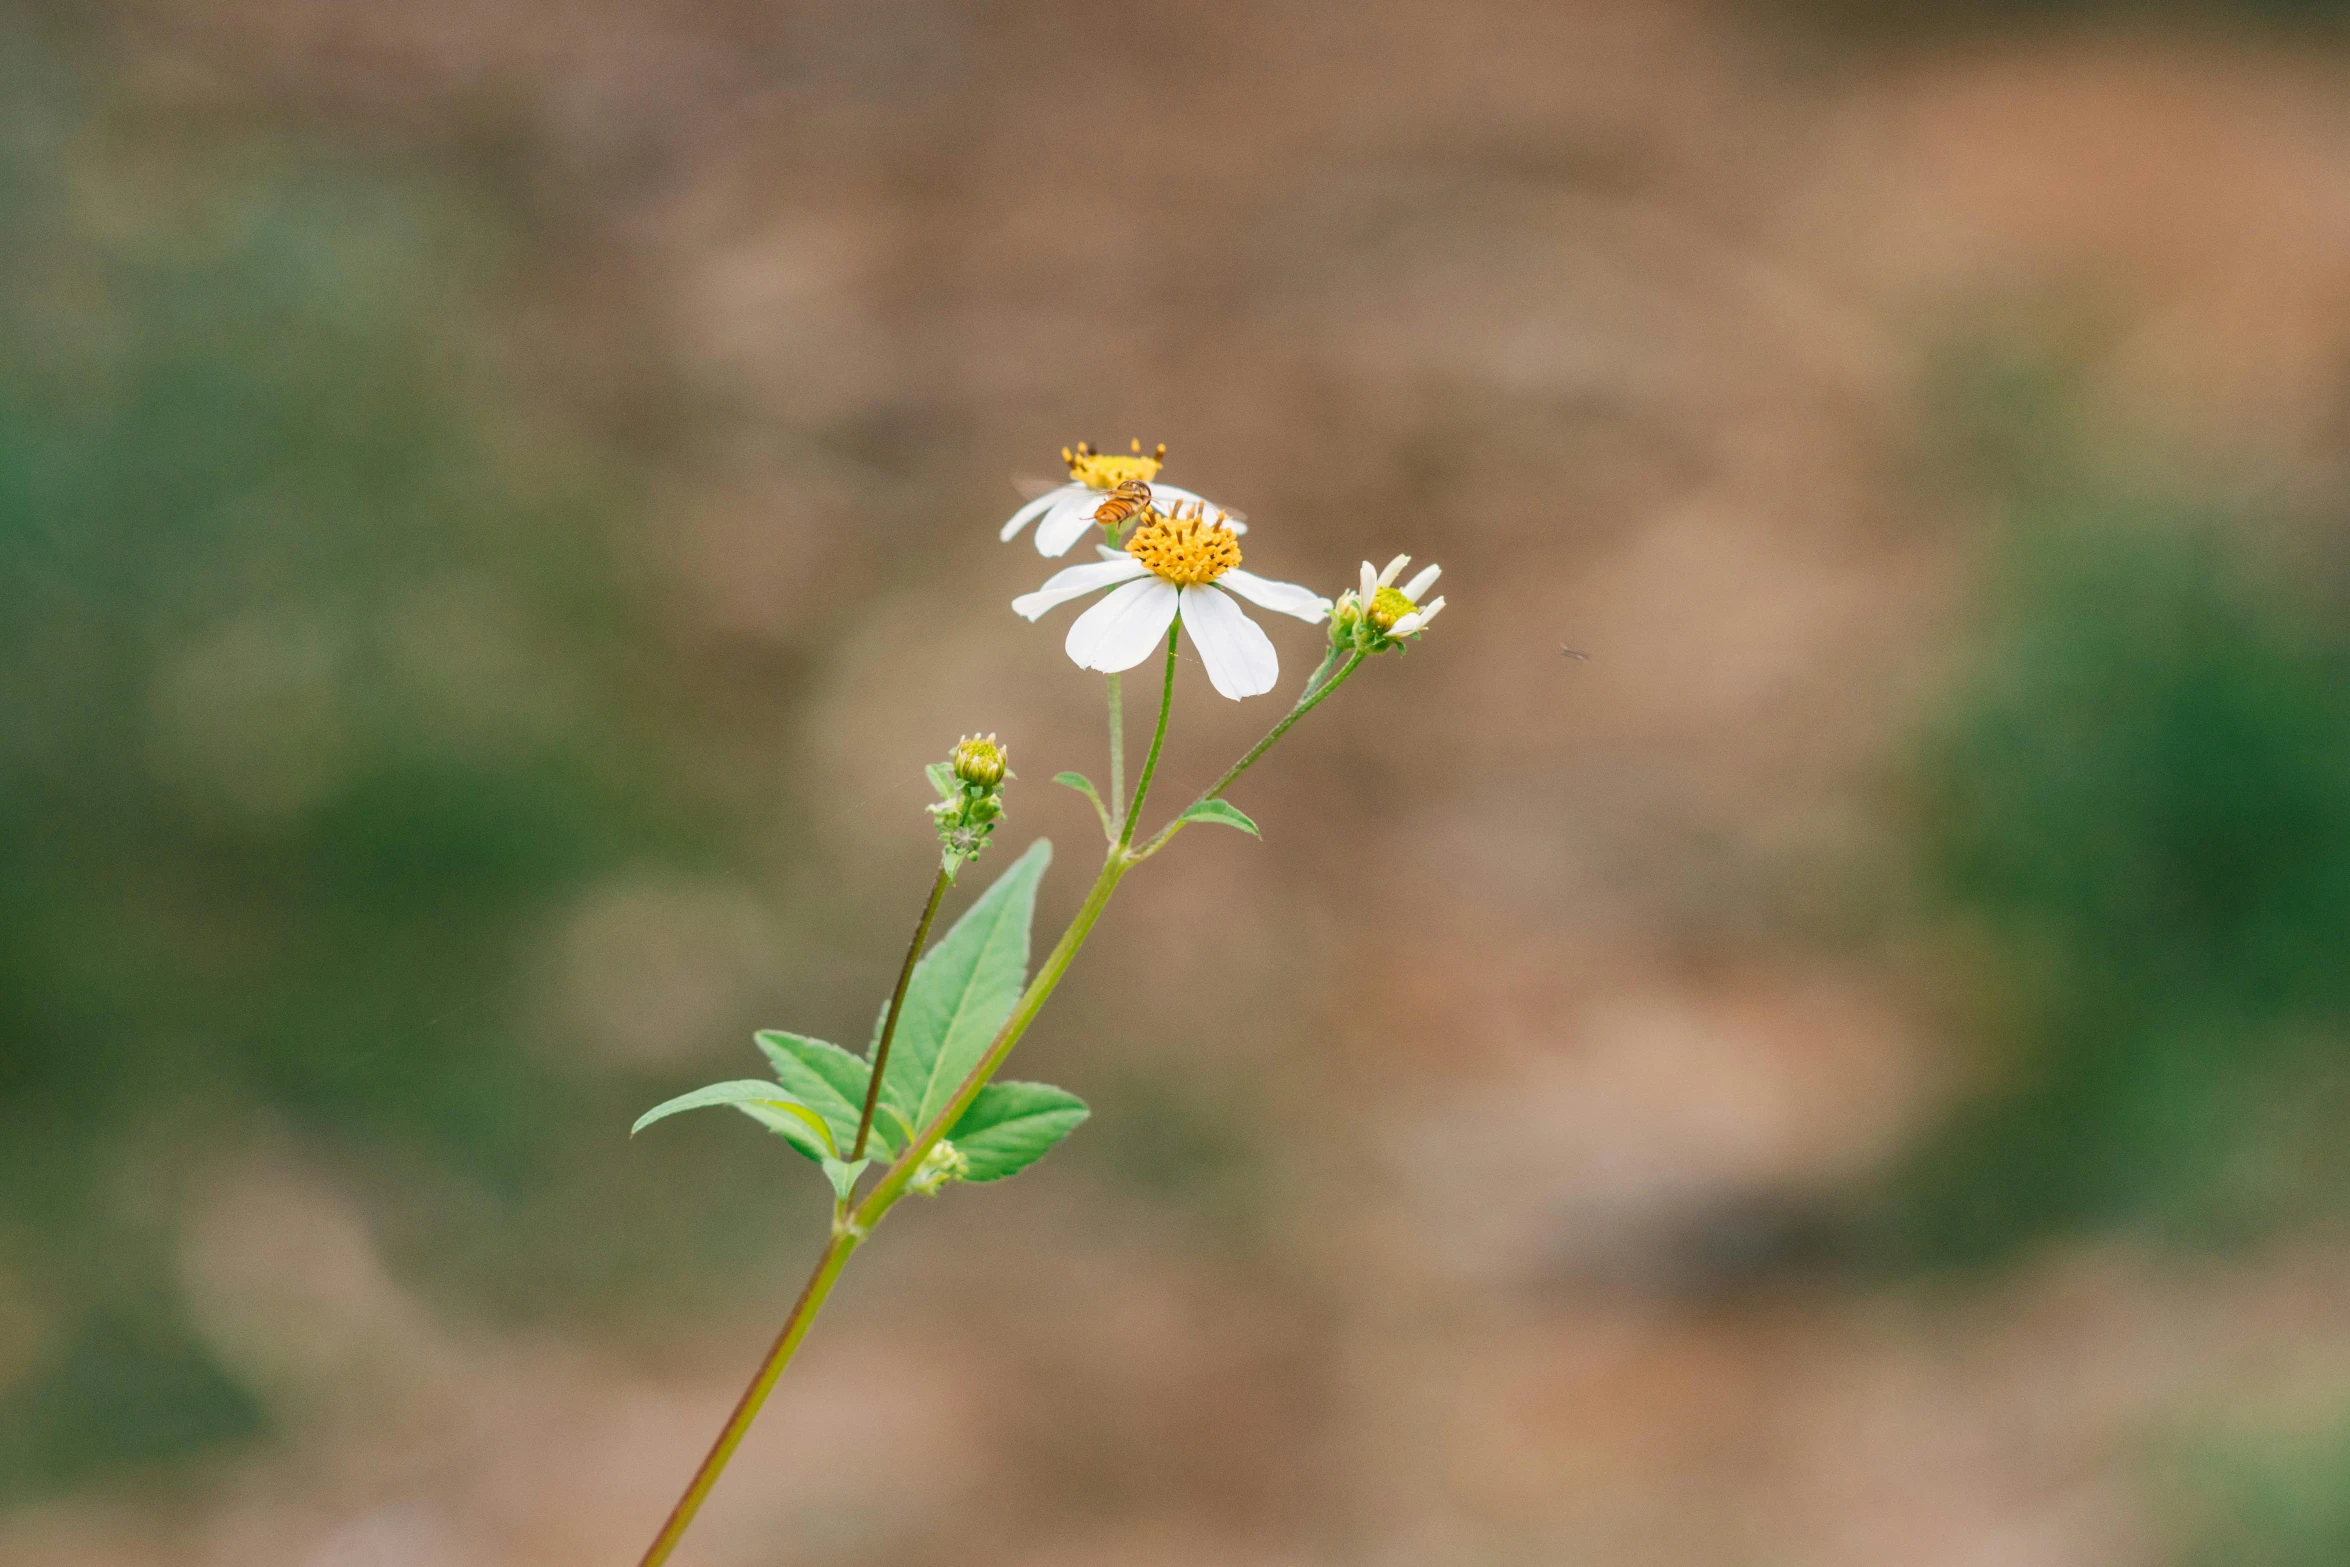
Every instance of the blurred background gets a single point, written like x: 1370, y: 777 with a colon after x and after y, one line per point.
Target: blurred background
x: 498, y: 502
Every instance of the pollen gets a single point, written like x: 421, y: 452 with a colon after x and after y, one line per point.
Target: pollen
x: 1389, y: 606
x: 1187, y: 550
x: 1106, y: 471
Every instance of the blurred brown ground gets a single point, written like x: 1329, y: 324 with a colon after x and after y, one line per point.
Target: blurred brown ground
x: 1622, y: 312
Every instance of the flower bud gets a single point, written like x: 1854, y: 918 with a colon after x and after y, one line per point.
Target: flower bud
x: 942, y: 1166
x: 1346, y: 619
x: 970, y: 785
x: 978, y: 759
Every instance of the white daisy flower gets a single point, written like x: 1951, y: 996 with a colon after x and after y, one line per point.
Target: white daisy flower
x: 1176, y: 566
x: 1381, y: 614
x: 1063, y: 513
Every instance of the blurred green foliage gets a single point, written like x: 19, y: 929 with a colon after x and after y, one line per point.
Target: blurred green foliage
x: 2281, y: 1502
x: 318, y: 694
x: 2135, y: 808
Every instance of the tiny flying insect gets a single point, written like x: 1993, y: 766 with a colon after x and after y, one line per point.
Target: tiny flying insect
x: 1575, y: 653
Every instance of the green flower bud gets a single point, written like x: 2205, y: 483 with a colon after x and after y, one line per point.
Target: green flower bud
x: 1346, y: 620
x: 941, y: 1167
x: 978, y: 759
x: 970, y: 785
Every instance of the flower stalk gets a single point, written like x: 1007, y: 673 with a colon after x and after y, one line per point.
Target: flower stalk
x: 1117, y: 749
x: 897, y: 1004
x: 834, y: 1257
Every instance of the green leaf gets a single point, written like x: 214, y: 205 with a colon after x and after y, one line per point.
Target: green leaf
x: 1084, y: 785
x: 1012, y: 1125
x: 962, y: 991
x: 1222, y: 811
x: 843, y: 1176
x: 942, y: 778
x: 825, y: 1078
x: 765, y: 1103
x: 806, y: 1133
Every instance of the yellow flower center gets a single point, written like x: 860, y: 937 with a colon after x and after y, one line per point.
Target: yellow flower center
x: 1107, y: 471
x: 1389, y: 606
x: 1186, y: 551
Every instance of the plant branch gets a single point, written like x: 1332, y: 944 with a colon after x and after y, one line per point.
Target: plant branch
x: 1316, y: 689
x: 1150, y: 760
x: 883, y: 1197
x: 746, y: 1409
x: 897, y: 1003
x: 1117, y: 750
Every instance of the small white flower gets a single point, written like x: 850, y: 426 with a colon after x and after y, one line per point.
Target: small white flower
x: 1176, y: 566
x: 1062, y: 514
x: 1379, y: 614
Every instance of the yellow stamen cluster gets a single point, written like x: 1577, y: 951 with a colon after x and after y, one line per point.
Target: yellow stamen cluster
x: 1186, y: 551
x: 1387, y: 607
x: 1107, y: 471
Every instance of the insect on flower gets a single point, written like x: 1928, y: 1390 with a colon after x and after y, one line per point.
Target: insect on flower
x: 1131, y: 498
x: 1063, y: 512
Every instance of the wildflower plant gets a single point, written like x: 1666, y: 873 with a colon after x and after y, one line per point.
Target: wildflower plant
x: 922, y: 1110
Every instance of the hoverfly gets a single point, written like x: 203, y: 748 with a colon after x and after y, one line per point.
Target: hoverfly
x: 1122, y: 504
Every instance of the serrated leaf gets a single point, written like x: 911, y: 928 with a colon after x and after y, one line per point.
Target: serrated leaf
x: 1084, y: 785
x: 828, y: 1080
x: 766, y: 1103
x: 962, y: 991
x: 1012, y: 1125
x: 1223, y: 812
x: 942, y: 778
x: 843, y: 1176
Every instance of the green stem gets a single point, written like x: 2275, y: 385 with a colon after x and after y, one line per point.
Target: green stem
x: 1150, y: 761
x: 1316, y: 689
x: 883, y: 1197
x: 897, y: 1003
x: 1117, y: 749
x: 746, y: 1408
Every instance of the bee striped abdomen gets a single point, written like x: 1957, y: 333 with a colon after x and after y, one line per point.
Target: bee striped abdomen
x: 1130, y: 499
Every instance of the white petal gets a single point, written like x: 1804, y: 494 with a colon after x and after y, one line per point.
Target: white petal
x: 1394, y: 570
x: 1370, y: 584
x: 1111, y: 552
x: 1429, y: 609
x: 1406, y: 625
x: 1283, y: 598
x: 1075, y: 582
x: 1422, y: 583
x: 1239, y: 657
x: 1027, y: 513
x: 1123, y: 629
x: 1066, y: 523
